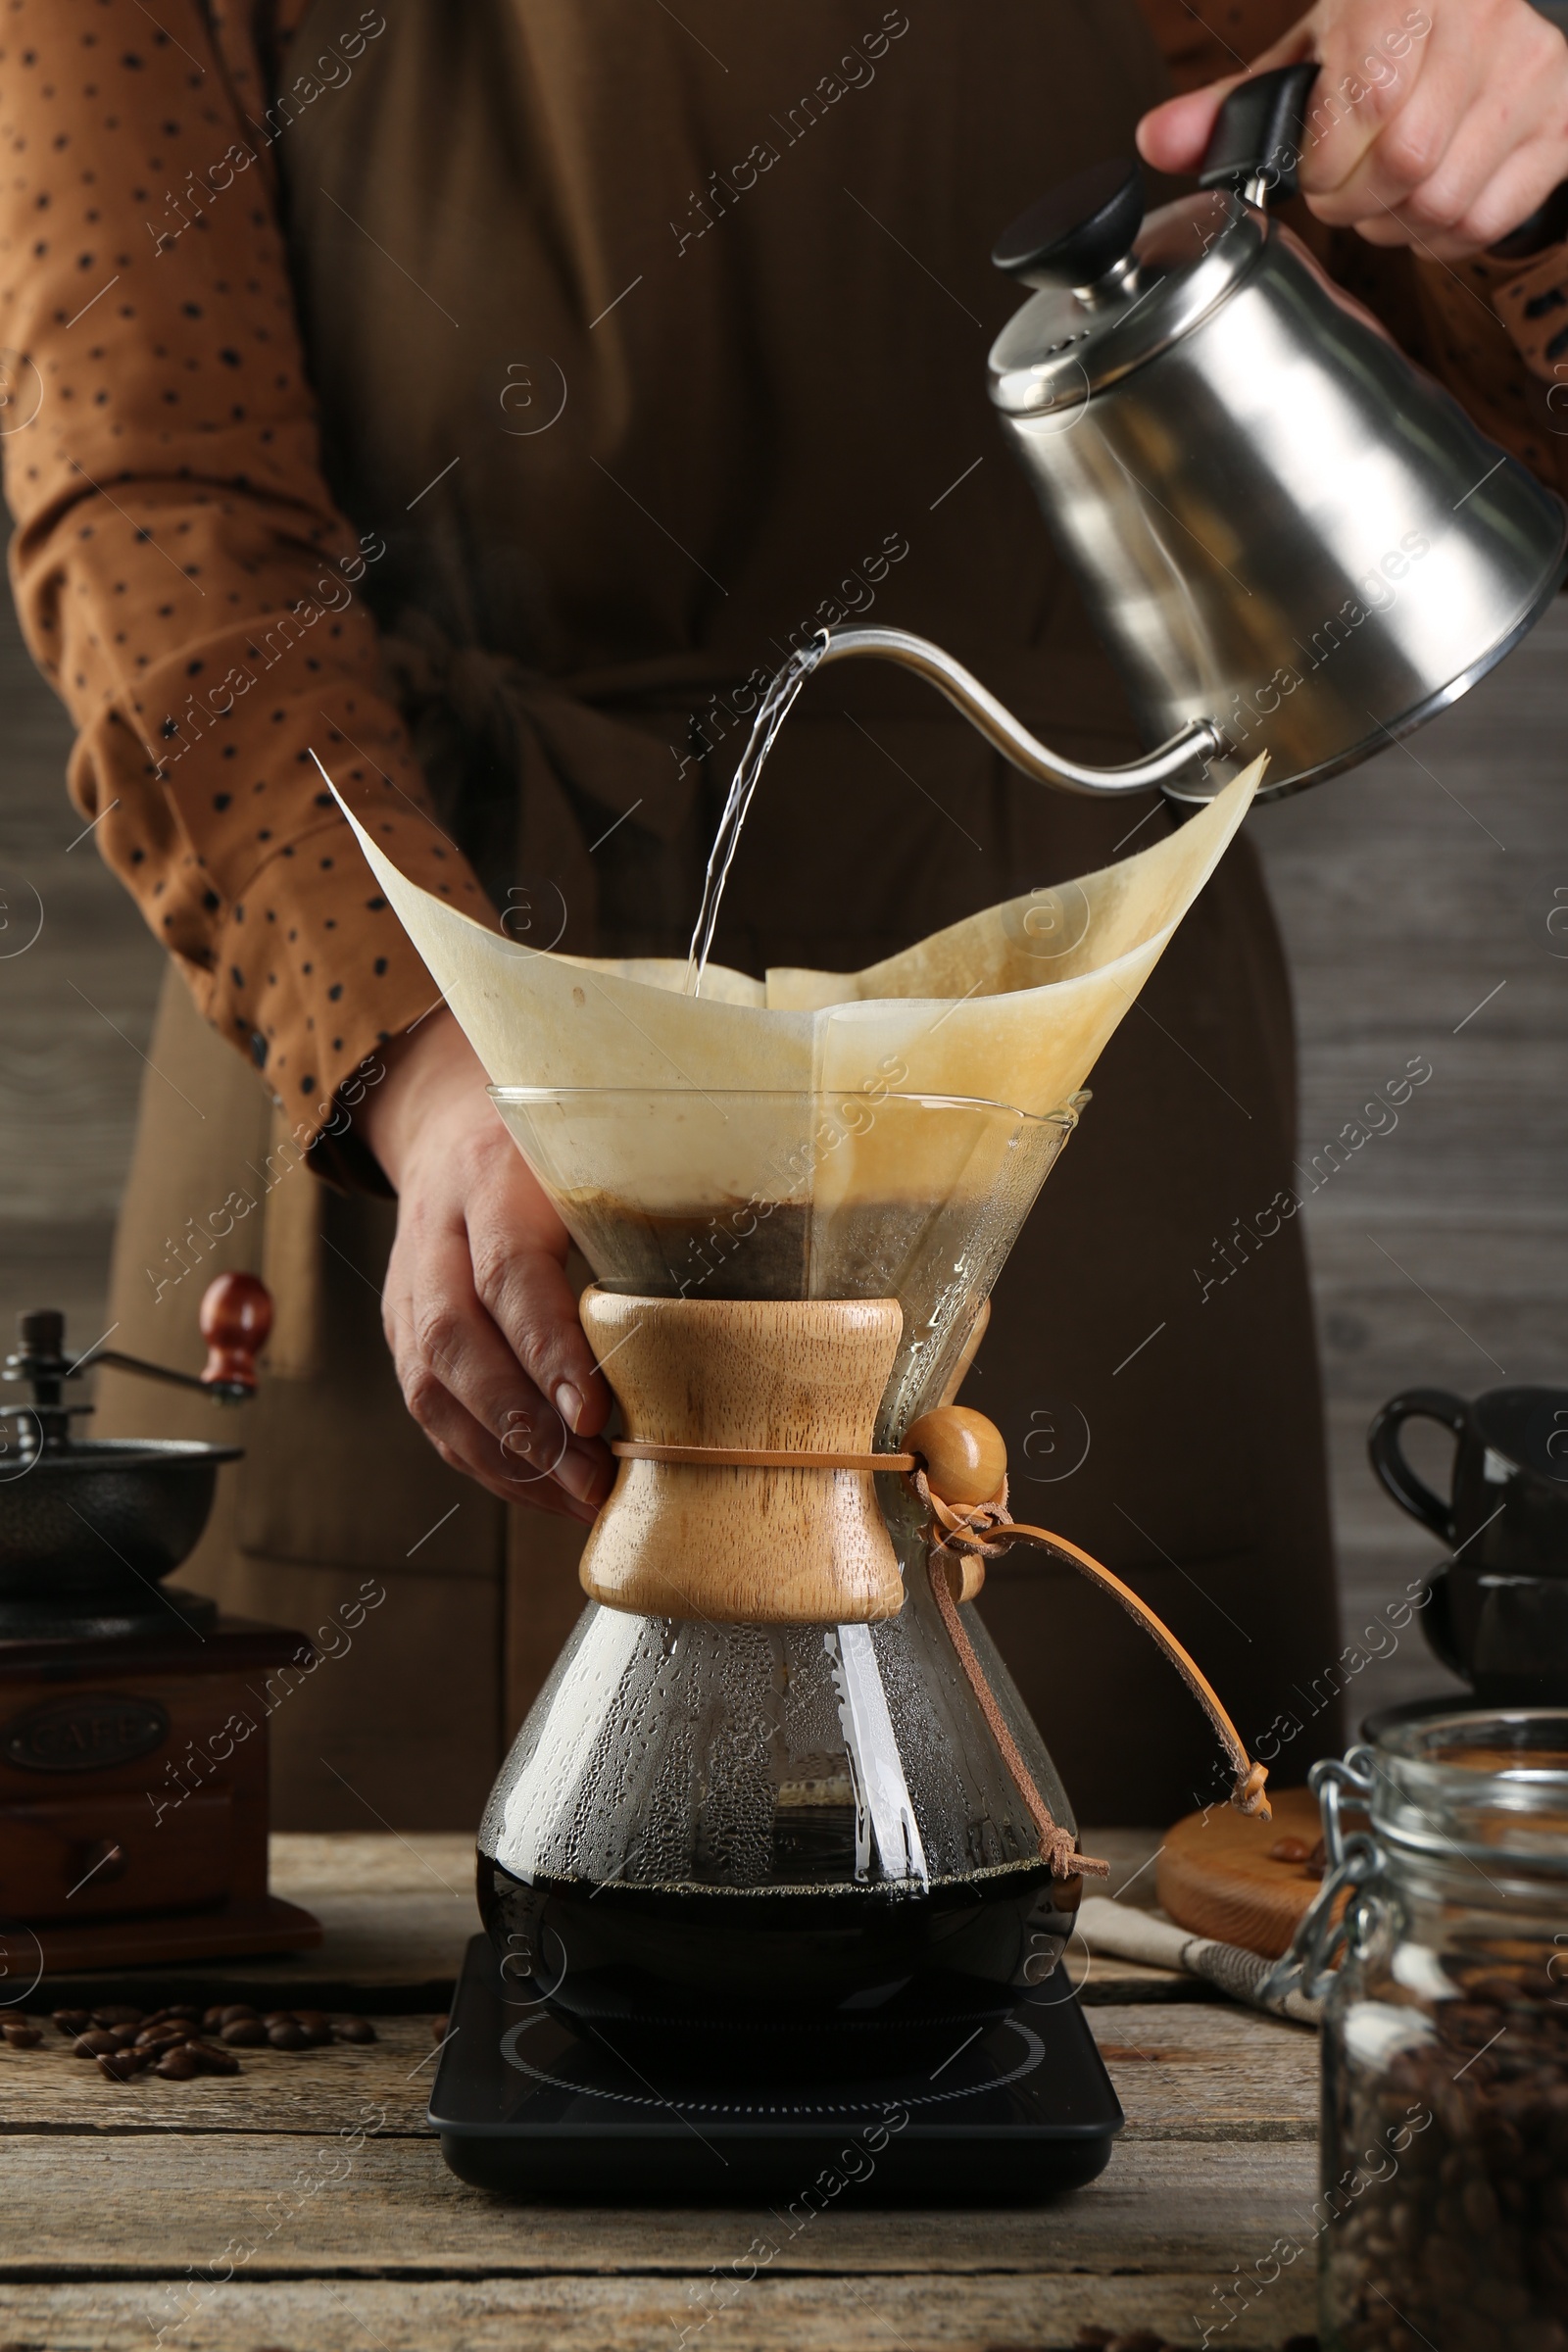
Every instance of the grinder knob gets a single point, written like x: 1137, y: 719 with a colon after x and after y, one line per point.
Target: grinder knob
x: 965, y: 1456
x: 236, y: 1315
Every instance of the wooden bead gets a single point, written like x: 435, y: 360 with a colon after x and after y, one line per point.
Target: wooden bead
x: 965, y: 1456
x: 965, y: 1573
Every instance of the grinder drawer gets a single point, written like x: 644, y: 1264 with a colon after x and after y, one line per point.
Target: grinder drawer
x: 73, y: 1858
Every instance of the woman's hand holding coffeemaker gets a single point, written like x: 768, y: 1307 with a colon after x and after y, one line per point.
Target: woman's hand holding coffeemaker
x: 478, y: 1313
x: 1441, y: 125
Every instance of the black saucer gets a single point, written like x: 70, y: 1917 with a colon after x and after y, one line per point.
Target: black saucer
x: 528, y: 2105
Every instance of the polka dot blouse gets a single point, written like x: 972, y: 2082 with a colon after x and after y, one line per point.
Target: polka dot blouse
x: 183, y: 578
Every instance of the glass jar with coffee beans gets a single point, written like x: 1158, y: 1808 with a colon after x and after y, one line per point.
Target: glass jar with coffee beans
x: 1443, y: 2219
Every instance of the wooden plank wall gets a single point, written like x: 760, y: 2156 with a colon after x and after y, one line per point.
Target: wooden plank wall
x: 1417, y: 897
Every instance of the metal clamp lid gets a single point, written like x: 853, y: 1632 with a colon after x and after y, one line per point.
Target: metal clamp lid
x: 1307, y: 1967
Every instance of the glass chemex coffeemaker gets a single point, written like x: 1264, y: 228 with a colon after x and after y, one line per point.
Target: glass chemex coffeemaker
x: 778, y: 1855
x: 778, y: 1847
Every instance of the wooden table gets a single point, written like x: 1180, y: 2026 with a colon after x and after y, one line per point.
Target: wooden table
x: 314, y: 2176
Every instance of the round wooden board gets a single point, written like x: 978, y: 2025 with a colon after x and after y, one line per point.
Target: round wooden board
x: 1214, y: 1876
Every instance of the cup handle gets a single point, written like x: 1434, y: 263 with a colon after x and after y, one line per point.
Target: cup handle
x: 1410, y: 1492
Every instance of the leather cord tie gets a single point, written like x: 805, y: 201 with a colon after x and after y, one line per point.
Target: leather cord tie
x: 987, y: 1532
x: 755, y: 1457
x: 963, y: 1529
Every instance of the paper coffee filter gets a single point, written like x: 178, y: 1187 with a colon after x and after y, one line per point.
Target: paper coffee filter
x: 1013, y: 1005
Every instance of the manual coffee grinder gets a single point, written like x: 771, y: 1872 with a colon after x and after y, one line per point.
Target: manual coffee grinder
x: 133, y: 1793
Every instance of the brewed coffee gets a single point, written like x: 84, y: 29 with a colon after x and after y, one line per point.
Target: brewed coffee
x: 763, y: 1249
x: 708, y: 1965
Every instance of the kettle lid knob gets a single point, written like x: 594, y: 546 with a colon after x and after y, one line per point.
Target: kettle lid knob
x: 1076, y: 235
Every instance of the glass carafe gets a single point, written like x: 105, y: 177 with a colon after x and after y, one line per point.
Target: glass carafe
x: 721, y: 1827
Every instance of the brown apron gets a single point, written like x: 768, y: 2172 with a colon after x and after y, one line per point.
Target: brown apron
x: 649, y: 344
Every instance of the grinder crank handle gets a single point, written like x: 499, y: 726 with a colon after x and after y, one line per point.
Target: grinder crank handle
x: 236, y: 1315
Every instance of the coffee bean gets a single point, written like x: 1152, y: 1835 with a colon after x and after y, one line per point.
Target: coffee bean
x: 117, y: 2017
x: 278, y: 2017
x: 94, y: 2044
x: 122, y: 2066
x: 178, y: 2065
x: 1464, y: 2244
x: 211, y: 2059
x: 438, y: 2028
x: 21, y: 2034
x: 154, y: 2036
x: 229, y: 2016
x: 245, y: 2033
x: 287, y: 2036
x: 317, y: 2031
x: 353, y: 2029
x: 72, y: 2020
x: 124, y: 2034
x: 1289, y: 1849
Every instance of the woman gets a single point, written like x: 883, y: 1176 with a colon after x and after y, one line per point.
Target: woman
x: 480, y: 398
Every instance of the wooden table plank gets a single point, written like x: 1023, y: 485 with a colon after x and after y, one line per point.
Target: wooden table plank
x: 1187, y: 2071
x: 627, y: 2313
x: 125, y: 2204
x: 149, y: 2205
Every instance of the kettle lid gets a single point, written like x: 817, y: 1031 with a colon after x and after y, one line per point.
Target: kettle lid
x: 1113, y: 289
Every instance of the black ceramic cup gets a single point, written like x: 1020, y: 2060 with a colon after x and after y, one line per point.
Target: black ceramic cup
x: 1506, y: 1511
x: 1505, y: 1634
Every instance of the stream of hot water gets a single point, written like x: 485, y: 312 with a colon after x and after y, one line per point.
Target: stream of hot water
x: 771, y: 712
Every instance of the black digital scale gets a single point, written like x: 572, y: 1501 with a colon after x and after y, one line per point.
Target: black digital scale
x: 1018, y: 2110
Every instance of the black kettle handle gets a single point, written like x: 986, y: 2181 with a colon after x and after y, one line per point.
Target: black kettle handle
x: 1261, y: 130
x: 1410, y: 1492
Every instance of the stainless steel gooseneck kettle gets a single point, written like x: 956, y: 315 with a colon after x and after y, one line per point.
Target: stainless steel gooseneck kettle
x: 1291, y: 539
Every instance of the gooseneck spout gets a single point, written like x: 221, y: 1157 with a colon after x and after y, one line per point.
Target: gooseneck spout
x: 1182, y: 756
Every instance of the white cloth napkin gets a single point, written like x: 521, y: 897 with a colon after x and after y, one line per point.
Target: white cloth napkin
x: 1132, y: 1935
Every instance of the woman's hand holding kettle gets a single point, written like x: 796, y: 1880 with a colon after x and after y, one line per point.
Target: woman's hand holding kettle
x: 1442, y: 125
